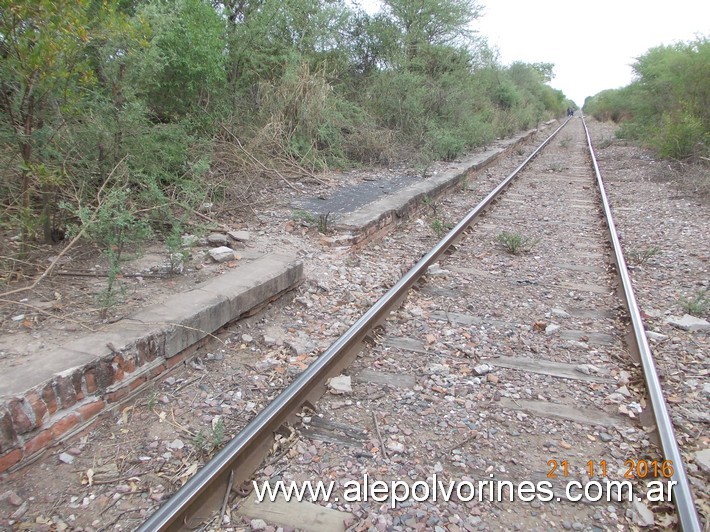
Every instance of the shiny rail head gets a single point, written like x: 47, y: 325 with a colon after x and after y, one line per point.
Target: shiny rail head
x: 683, y: 495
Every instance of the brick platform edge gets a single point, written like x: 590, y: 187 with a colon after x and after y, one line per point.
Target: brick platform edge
x: 376, y: 219
x: 107, y: 366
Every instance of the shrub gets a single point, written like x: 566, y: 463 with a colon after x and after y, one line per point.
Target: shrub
x: 666, y: 106
x: 515, y: 244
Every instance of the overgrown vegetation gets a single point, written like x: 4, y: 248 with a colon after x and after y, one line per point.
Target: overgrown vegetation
x: 119, y: 118
x: 666, y: 107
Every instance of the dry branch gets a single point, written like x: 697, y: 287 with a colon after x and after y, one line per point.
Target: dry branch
x: 255, y: 160
x: 74, y: 240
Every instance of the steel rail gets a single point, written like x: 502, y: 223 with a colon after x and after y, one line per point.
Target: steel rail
x: 682, y: 494
x: 243, y: 454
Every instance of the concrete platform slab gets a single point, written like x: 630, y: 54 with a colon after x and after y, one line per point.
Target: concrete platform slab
x: 79, y: 379
x: 370, y: 209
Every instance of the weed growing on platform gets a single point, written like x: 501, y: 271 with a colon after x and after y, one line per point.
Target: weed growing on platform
x: 116, y: 227
x: 516, y: 244
x: 208, y: 440
x: 466, y: 181
x: 323, y: 223
x: 177, y: 254
x: 152, y: 400
x: 303, y: 216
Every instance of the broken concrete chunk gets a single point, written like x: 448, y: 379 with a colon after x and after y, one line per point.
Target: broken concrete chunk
x: 560, y: 313
x: 66, y: 458
x: 641, y: 515
x: 189, y: 241
x: 702, y: 460
x: 656, y: 337
x: 482, y: 369
x: 587, y: 369
x: 395, y: 446
x: 436, y: 270
x: 688, y: 323
x: 552, y: 328
x: 217, y: 239
x: 222, y: 254
x: 240, y: 236
x: 12, y: 498
x: 624, y: 391
x: 439, y: 369
x: 340, y: 384
x: 176, y: 444
x: 258, y: 524
x: 614, y: 398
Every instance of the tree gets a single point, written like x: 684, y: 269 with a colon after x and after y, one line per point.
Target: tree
x: 43, y: 68
x: 183, y: 64
x: 666, y: 106
x: 266, y: 37
x: 432, y: 22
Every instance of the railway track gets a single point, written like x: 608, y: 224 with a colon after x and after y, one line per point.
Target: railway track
x: 486, y: 368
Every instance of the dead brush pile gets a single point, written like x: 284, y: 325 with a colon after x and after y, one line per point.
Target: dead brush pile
x: 298, y: 129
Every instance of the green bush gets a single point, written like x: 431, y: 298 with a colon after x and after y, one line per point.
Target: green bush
x: 680, y: 135
x: 666, y: 107
x: 153, y: 98
x: 445, y: 144
x: 182, y: 65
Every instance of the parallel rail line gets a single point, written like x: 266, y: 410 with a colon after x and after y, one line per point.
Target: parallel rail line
x: 235, y: 464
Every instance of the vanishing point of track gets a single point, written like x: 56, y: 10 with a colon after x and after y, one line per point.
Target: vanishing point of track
x: 235, y: 464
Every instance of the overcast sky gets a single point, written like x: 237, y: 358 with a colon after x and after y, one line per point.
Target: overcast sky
x: 592, y: 44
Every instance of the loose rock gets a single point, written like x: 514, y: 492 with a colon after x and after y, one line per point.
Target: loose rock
x: 552, y: 329
x: 641, y: 515
x: 240, y: 236
x: 702, y: 460
x: 340, y: 384
x: 222, y: 254
x: 217, y: 239
x: 689, y: 323
x: 66, y: 458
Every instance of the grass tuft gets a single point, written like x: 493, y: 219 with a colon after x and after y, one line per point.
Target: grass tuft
x: 515, y: 244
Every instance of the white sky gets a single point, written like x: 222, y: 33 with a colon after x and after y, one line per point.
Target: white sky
x: 592, y: 44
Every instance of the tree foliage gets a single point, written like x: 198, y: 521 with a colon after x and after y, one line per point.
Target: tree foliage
x: 422, y: 23
x: 140, y: 100
x: 42, y: 72
x: 183, y: 64
x: 668, y: 104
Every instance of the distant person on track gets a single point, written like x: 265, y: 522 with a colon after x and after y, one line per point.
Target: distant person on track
x: 570, y: 111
